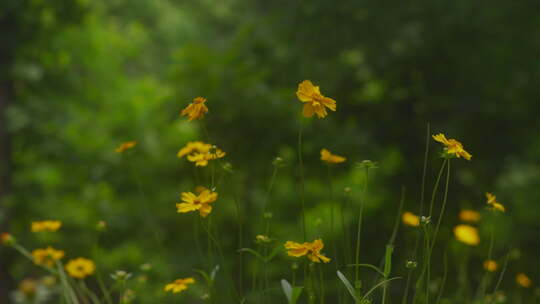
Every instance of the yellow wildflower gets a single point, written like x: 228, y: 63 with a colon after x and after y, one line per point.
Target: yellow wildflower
x: 452, y: 146
x: 523, y: 280
x: 196, y: 109
x: 46, y: 226
x: 314, y: 101
x: 469, y: 216
x: 47, y: 256
x: 490, y: 265
x: 125, y: 146
x: 201, y: 202
x: 312, y: 250
x: 467, y: 234
x: 261, y: 238
x: 179, y: 285
x: 493, y: 204
x: 80, y: 268
x: 200, y: 153
x: 410, y: 219
x: 330, y: 158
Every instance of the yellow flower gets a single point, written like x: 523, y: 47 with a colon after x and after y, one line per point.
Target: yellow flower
x: 330, y: 158
x: 493, y: 204
x: 201, y: 202
x: 314, y: 101
x: 467, y: 234
x: 469, y: 216
x: 124, y: 146
x: 46, y: 226
x: 179, y: 285
x: 80, y: 268
x: 196, y: 109
x: 261, y: 238
x: 200, y: 153
x: 452, y: 146
x: 47, y: 256
x: 312, y: 250
x: 410, y: 219
x: 523, y: 280
x: 490, y: 265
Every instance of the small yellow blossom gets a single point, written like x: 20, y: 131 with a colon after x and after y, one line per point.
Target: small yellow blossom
x: 490, y: 265
x: 125, y: 146
x: 452, y: 146
x: 179, y: 285
x: 46, y: 226
x: 261, y: 238
x: 523, y: 280
x: 410, y: 219
x: 201, y: 202
x: 47, y: 256
x: 312, y: 250
x: 196, y: 109
x: 200, y: 153
x: 330, y: 158
x: 80, y: 268
x: 469, y: 216
x: 493, y: 204
x: 314, y: 101
x: 467, y: 234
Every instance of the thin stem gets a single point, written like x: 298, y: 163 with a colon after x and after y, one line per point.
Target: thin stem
x: 359, y: 232
x: 436, y: 187
x: 332, y: 207
x: 302, y: 185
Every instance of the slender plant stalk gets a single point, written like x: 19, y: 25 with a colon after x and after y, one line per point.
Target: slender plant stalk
x: 421, y: 212
x: 358, y: 234
x: 302, y: 182
x: 445, y: 274
x: 332, y: 207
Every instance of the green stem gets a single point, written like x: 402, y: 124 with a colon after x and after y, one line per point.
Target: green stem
x: 302, y: 185
x: 358, y: 234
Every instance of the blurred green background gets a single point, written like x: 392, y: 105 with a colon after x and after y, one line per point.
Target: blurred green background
x: 80, y: 77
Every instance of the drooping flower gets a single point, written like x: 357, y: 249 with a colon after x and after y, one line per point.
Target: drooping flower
x: 200, y: 153
x: 179, y: 285
x: 201, y: 202
x: 523, y: 280
x: 47, y: 256
x: 452, y: 147
x: 490, y: 265
x: 196, y: 109
x: 467, y: 234
x: 493, y: 204
x: 46, y: 226
x: 312, y: 250
x: 125, y: 146
x: 80, y: 268
x: 410, y: 219
x: 314, y: 101
x: 469, y: 216
x: 330, y: 158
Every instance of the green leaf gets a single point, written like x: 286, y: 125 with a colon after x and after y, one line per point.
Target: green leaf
x: 377, y: 269
x: 214, y: 272
x: 253, y: 252
x: 292, y: 293
x: 376, y: 286
x: 348, y: 285
x: 274, y: 252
